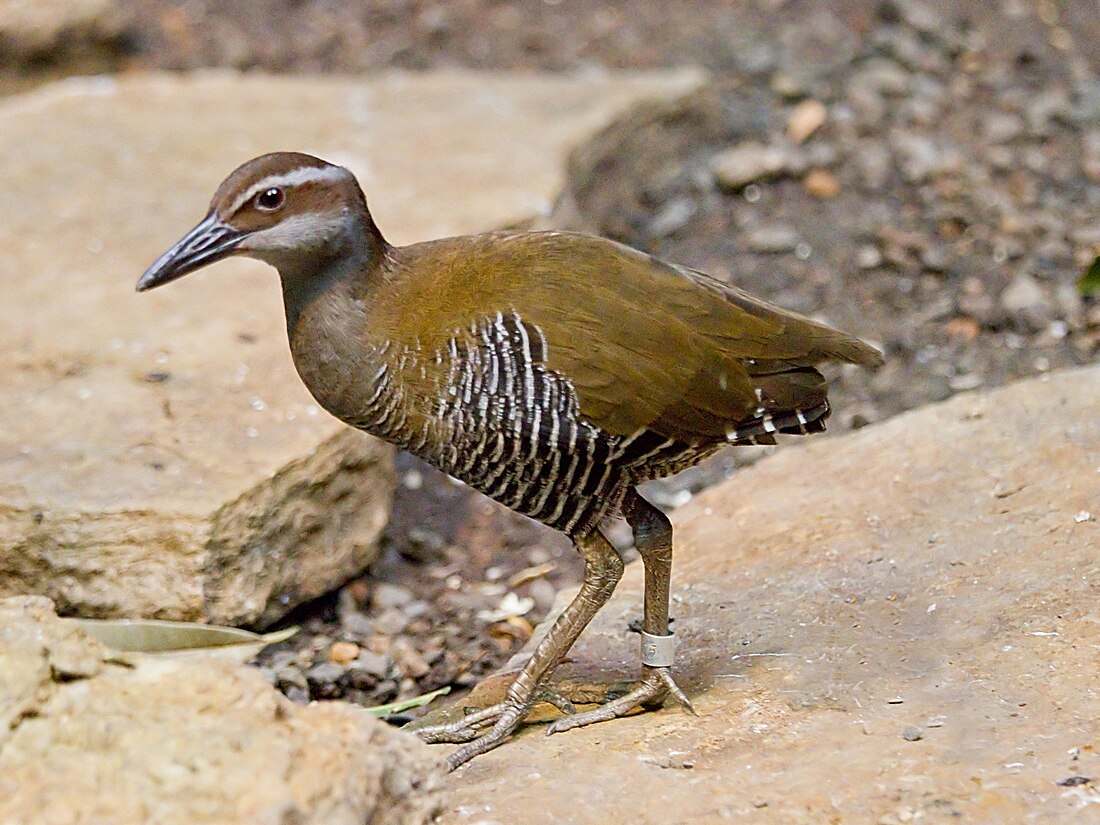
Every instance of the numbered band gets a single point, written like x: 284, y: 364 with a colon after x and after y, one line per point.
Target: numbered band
x: 658, y: 651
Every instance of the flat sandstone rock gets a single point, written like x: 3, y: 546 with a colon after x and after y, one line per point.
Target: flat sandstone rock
x: 158, y: 455
x: 87, y: 740
x: 34, y: 28
x: 900, y: 625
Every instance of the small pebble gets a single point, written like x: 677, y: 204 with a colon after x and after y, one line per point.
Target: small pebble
x: 868, y: 256
x: 806, y: 118
x: 773, y: 238
x: 821, y: 183
x: 357, y: 624
x: 746, y: 163
x: 343, y: 653
x: 391, y: 622
x: 912, y: 734
x: 375, y: 665
x: 385, y: 595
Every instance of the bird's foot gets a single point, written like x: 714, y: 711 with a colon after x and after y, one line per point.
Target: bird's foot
x: 501, y: 719
x: 504, y: 718
x: 466, y: 729
x: 655, y: 686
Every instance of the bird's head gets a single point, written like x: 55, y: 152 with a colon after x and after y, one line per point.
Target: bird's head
x: 288, y: 209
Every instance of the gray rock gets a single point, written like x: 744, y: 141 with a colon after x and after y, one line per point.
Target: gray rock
x: 358, y: 625
x: 1001, y: 127
x: 883, y: 76
x: 390, y: 622
x: 921, y: 156
x: 750, y: 162
x: 772, y: 238
x: 874, y: 163
x: 912, y: 733
x: 1043, y: 107
x: 376, y: 665
x: 173, y: 741
x: 867, y: 104
x: 325, y: 673
x: 1086, y: 102
x: 1027, y: 299
x: 384, y: 595
x: 672, y: 217
x: 921, y: 16
x: 935, y: 257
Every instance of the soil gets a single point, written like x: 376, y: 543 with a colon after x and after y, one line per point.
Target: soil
x: 944, y: 209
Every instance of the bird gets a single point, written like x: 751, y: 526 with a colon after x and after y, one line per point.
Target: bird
x: 552, y: 371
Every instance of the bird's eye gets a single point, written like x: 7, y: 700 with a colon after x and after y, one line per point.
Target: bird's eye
x: 270, y: 199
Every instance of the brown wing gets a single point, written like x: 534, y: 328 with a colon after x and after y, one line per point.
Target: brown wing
x: 659, y: 347
x: 646, y: 344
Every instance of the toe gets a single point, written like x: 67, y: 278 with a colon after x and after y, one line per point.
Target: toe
x: 503, y: 728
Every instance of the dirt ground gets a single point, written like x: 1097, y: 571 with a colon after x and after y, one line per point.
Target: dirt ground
x: 944, y: 209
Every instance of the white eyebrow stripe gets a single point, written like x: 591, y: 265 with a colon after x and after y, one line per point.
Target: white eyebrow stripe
x: 303, y: 174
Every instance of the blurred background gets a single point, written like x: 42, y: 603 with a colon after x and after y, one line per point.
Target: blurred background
x: 923, y: 174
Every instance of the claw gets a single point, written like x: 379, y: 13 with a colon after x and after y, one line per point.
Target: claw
x: 665, y: 675
x: 656, y: 684
x: 557, y: 699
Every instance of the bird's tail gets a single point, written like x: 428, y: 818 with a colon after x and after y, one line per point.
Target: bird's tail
x: 792, y: 401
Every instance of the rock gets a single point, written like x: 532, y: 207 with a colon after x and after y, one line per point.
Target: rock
x: 31, y: 28
x: 673, y: 217
x: 882, y: 76
x: 922, y: 17
x: 805, y: 119
x: 322, y: 679
x: 821, y: 183
x: 390, y: 622
x: 868, y: 256
x: 927, y: 571
x: 1002, y: 127
x: 921, y: 157
x: 203, y: 742
x: 158, y: 454
x: 1026, y: 299
x: 343, y: 653
x: 773, y: 238
x: 384, y: 594
x: 874, y: 165
x: 935, y: 256
x: 375, y: 665
x: 749, y: 162
x: 357, y: 624
x: 1043, y: 107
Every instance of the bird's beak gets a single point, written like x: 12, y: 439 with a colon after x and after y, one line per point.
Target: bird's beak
x: 210, y: 241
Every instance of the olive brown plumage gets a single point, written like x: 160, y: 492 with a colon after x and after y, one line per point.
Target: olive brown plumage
x: 552, y: 371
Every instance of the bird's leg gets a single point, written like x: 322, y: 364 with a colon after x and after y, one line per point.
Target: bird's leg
x: 653, y: 538
x: 602, y: 570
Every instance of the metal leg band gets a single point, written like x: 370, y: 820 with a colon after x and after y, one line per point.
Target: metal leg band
x: 658, y: 651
